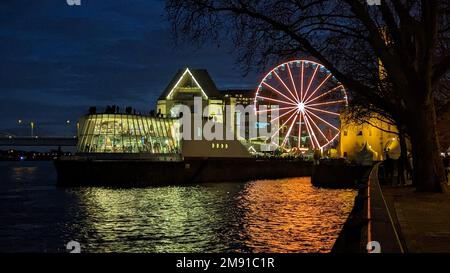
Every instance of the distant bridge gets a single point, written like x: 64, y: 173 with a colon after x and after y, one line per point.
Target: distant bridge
x: 38, y: 141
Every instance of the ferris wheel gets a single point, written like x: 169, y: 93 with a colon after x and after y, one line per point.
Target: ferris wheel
x: 309, y: 100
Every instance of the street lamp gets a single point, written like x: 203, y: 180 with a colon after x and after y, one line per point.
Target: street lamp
x: 32, y: 128
x: 32, y: 125
x: 68, y: 126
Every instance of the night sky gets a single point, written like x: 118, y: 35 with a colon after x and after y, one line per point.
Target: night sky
x: 57, y: 60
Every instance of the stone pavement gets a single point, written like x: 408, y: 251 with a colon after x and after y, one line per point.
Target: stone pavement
x: 423, y: 219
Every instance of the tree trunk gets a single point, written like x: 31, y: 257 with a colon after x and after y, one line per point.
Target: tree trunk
x: 428, y: 167
x: 402, y: 161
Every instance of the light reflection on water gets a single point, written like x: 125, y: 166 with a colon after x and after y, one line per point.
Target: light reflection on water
x: 287, y: 215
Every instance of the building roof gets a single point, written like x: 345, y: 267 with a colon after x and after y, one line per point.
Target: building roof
x: 201, y: 76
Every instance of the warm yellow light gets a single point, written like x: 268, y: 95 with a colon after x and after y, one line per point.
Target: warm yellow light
x: 179, y: 80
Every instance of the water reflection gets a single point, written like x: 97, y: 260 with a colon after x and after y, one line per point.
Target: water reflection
x: 275, y: 216
x: 21, y: 173
x: 291, y: 216
x: 262, y: 216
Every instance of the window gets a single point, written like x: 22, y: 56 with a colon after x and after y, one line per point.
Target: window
x: 102, y: 133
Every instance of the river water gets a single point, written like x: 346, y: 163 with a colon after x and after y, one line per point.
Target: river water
x: 286, y: 215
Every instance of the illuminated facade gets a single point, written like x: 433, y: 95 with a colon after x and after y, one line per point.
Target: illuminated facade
x: 184, y: 87
x: 160, y: 134
x: 126, y: 133
x: 188, y: 84
x: 377, y: 139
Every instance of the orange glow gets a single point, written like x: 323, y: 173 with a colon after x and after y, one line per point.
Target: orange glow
x: 285, y: 215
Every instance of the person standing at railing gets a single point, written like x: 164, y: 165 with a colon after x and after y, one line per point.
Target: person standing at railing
x: 389, y: 167
x: 446, y: 162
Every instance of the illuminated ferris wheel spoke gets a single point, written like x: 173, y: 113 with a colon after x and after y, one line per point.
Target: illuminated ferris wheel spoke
x: 324, y: 94
x: 327, y: 103
x: 318, y: 129
x: 273, y: 109
x: 318, y: 87
x: 324, y: 121
x: 323, y: 111
x: 289, y: 131
x: 301, y: 80
x: 280, y: 116
x: 311, y: 140
x: 310, y: 82
x: 282, y: 125
x: 285, y: 86
x: 278, y: 92
x: 305, y: 106
x: 299, y: 130
x: 307, y: 131
x: 275, y: 100
x: 293, y: 84
x: 312, y: 136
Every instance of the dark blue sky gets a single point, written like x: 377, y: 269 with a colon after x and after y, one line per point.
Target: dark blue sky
x: 57, y: 60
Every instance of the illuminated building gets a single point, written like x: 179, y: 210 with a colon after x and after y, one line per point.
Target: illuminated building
x: 184, y: 87
x: 126, y: 133
x: 240, y: 97
x: 378, y: 137
x: 190, y: 83
x: 160, y: 134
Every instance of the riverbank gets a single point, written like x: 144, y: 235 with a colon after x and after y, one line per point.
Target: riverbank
x: 369, y: 223
x: 339, y: 175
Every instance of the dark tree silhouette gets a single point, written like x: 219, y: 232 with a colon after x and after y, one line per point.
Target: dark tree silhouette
x: 409, y: 38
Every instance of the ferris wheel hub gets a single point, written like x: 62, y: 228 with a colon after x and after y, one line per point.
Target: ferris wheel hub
x: 301, y: 107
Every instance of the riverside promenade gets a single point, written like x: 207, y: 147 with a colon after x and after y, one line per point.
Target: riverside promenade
x: 420, y: 221
x: 370, y: 226
x: 396, y: 220
x: 423, y: 219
